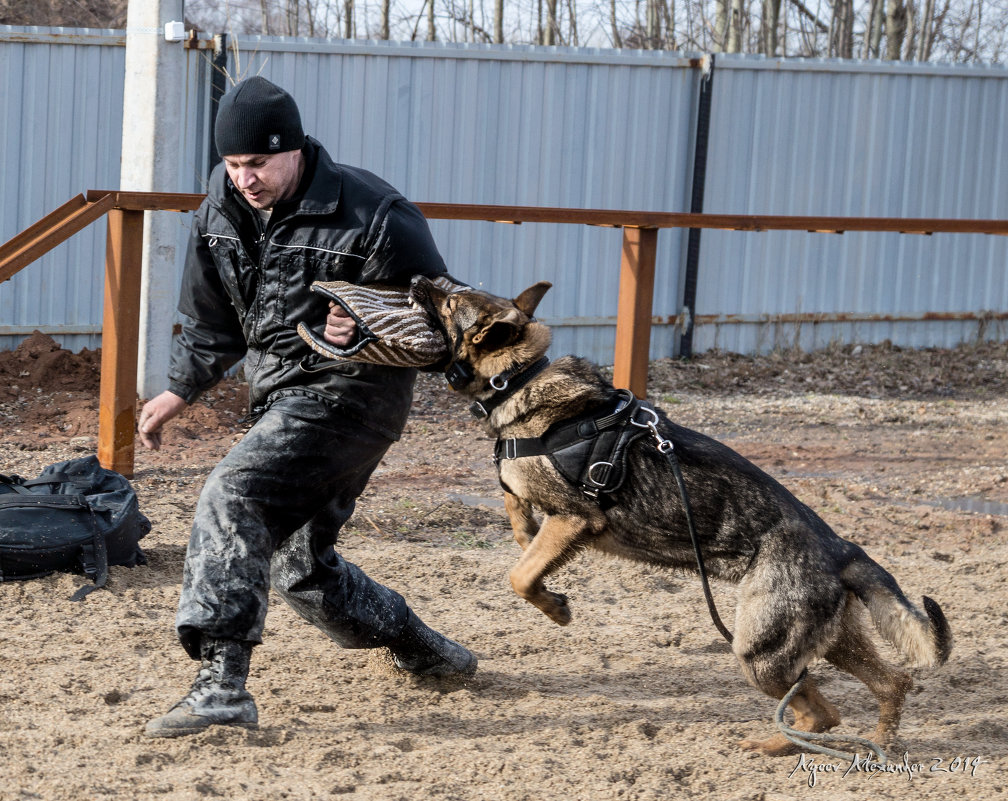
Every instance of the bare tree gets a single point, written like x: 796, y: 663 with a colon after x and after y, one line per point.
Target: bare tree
x: 264, y: 7
x: 736, y: 27
x: 841, y: 43
x: 722, y: 15
x: 924, y: 30
x: 873, y: 34
x: 348, y: 19
x: 552, y: 28
x: 895, y: 27
x: 572, y: 30
x: 768, y: 27
x: 386, y: 10
x: 925, y: 35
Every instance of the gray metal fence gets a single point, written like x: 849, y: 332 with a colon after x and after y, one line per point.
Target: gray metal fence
x: 575, y: 128
x: 792, y: 137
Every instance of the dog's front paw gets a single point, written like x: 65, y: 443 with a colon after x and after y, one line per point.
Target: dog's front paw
x: 558, y: 610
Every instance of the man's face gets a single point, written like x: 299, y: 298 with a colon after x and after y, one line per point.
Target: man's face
x: 265, y: 180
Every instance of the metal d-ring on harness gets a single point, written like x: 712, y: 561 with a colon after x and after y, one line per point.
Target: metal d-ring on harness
x: 803, y: 739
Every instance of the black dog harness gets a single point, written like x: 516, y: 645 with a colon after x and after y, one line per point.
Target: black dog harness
x: 589, y: 450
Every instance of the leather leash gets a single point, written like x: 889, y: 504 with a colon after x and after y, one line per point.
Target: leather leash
x: 667, y: 448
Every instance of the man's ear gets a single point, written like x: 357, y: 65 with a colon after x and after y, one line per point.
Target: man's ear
x: 529, y: 299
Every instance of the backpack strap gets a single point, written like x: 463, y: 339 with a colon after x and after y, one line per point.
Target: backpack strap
x: 52, y: 478
x: 94, y: 563
x: 14, y: 482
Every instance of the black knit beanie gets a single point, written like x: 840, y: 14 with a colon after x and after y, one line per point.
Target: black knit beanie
x: 257, y: 117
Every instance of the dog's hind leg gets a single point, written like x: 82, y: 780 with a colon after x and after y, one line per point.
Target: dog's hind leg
x: 784, y: 618
x: 854, y: 652
x: 556, y: 543
x: 523, y: 524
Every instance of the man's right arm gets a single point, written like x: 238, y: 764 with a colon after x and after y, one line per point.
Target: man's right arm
x: 211, y: 340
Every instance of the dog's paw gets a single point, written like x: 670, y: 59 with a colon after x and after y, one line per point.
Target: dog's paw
x: 559, y: 610
x: 775, y: 746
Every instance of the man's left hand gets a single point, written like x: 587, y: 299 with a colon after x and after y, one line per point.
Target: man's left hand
x: 340, y: 329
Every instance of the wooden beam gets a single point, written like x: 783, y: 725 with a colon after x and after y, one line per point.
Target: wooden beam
x: 729, y: 222
x: 47, y: 233
x: 120, y: 340
x: 617, y: 218
x: 150, y: 201
x: 633, y: 314
x: 18, y: 241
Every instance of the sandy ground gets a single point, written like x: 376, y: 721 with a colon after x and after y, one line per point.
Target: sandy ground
x: 638, y: 698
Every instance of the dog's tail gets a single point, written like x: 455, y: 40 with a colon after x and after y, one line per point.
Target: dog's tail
x: 923, y: 638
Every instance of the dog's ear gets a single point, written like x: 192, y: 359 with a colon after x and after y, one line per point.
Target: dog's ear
x: 529, y: 299
x: 502, y: 331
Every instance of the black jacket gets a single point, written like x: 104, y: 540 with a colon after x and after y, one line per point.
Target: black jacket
x: 245, y: 287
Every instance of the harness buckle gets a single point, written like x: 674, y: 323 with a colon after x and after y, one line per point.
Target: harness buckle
x: 478, y: 410
x: 510, y: 448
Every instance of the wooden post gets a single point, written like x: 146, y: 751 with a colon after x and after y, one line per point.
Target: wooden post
x: 120, y: 335
x: 633, y: 315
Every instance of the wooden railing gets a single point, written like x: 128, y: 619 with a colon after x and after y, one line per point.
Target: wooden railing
x: 124, y: 253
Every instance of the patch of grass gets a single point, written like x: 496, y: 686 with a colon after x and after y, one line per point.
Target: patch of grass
x: 469, y: 539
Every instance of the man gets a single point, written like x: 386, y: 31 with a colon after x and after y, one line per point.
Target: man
x: 278, y: 215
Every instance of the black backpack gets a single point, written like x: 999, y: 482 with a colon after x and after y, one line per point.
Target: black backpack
x: 76, y: 517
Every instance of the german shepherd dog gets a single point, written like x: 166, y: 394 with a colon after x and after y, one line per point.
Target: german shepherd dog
x: 801, y: 589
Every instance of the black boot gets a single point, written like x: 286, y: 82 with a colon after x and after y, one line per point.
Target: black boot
x: 218, y: 695
x: 422, y: 651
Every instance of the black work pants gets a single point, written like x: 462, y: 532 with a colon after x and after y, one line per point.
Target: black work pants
x: 270, y: 513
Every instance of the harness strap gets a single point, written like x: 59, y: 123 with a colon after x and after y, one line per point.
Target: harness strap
x: 567, y: 433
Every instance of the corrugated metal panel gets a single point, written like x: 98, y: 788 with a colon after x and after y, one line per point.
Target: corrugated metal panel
x: 60, y: 134
x: 853, y: 140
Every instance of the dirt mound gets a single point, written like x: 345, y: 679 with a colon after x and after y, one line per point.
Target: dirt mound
x: 40, y: 364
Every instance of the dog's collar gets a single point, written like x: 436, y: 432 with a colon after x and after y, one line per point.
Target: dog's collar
x: 505, y: 384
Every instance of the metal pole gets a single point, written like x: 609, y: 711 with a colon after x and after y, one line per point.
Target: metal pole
x: 218, y: 87
x: 696, y: 203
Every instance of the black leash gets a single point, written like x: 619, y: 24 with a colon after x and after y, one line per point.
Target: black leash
x: 666, y: 447
x: 803, y: 739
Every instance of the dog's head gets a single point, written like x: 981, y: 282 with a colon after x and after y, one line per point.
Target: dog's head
x: 486, y: 335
